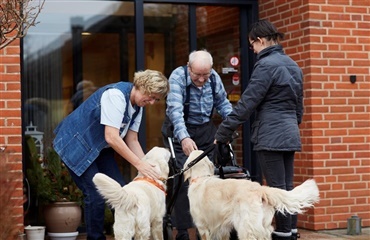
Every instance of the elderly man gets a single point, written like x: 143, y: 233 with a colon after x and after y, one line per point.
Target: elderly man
x: 195, y: 90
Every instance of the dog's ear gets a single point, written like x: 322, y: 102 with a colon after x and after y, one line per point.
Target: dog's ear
x: 187, y: 174
x: 211, y: 166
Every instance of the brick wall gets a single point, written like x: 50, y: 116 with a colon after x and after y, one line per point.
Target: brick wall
x: 330, y: 40
x: 11, y: 132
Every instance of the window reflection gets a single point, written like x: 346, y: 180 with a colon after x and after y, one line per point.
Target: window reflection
x: 94, y: 41
x: 74, y: 41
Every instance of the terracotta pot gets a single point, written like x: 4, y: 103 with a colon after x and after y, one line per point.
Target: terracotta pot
x: 61, y: 217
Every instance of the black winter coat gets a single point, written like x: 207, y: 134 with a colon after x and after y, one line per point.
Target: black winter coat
x: 275, y: 93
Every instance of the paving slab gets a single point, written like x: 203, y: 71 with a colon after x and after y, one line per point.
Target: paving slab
x: 339, y: 234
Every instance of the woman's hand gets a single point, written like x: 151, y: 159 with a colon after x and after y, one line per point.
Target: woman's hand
x: 148, y: 170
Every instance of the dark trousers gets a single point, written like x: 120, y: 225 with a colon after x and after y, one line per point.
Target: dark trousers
x: 203, y: 136
x: 94, y: 208
x: 278, y: 170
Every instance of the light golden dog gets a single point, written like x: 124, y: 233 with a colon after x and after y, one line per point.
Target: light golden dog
x: 140, y: 205
x: 219, y: 205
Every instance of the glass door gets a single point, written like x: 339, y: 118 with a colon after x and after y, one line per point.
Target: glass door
x: 176, y: 29
x: 217, y: 31
x: 167, y: 46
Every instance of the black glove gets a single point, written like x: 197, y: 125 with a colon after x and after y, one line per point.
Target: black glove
x: 223, y: 154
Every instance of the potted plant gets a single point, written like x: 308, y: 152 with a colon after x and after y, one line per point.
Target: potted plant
x: 54, y: 189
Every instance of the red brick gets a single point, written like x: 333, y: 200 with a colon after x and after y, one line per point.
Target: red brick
x: 333, y: 210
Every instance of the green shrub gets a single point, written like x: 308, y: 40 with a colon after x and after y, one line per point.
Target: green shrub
x: 49, y: 178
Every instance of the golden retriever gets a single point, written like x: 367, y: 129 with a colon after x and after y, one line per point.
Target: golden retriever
x: 219, y: 205
x: 140, y: 205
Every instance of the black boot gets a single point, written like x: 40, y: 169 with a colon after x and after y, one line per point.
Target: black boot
x: 182, y: 234
x: 295, y: 236
x: 276, y: 237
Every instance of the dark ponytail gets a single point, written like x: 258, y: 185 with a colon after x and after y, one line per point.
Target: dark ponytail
x: 264, y: 28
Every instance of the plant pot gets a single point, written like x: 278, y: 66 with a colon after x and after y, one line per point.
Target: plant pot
x: 35, y: 232
x: 63, y: 236
x: 22, y: 236
x: 62, y: 217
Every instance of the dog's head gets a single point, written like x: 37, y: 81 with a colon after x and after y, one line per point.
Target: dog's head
x: 159, y: 157
x: 202, y: 168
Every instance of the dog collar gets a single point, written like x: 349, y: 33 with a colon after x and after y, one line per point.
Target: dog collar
x: 152, y: 181
x: 197, y: 178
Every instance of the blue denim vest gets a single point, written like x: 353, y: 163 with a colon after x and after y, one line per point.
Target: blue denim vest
x: 80, y: 136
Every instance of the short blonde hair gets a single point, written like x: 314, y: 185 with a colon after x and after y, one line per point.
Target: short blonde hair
x: 152, y: 82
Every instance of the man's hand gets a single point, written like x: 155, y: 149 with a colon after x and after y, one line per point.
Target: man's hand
x: 188, y: 145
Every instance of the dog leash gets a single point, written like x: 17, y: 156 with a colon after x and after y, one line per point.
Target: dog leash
x: 192, y: 163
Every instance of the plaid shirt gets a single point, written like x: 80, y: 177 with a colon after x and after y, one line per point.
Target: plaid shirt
x: 201, y: 101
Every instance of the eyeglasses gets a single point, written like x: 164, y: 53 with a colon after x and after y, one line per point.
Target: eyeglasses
x: 198, y: 75
x: 152, y: 98
x: 251, y: 44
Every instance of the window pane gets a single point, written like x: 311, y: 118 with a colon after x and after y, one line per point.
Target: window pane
x: 73, y: 41
x: 166, y: 47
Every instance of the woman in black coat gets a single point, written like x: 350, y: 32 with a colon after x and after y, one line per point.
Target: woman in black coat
x: 275, y: 94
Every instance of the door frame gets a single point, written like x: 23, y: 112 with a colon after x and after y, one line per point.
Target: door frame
x: 248, y: 14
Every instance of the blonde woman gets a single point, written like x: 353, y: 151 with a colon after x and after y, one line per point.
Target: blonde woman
x: 107, y: 122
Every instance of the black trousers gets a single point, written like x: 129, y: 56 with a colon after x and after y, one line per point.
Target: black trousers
x: 278, y: 169
x: 203, y: 136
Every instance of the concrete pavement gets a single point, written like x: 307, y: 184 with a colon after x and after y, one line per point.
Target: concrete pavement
x: 339, y: 234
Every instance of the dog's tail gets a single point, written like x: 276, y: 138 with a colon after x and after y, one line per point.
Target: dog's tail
x: 294, y: 201
x: 112, y: 191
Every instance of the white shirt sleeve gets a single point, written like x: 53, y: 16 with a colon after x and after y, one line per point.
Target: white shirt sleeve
x: 113, y: 106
